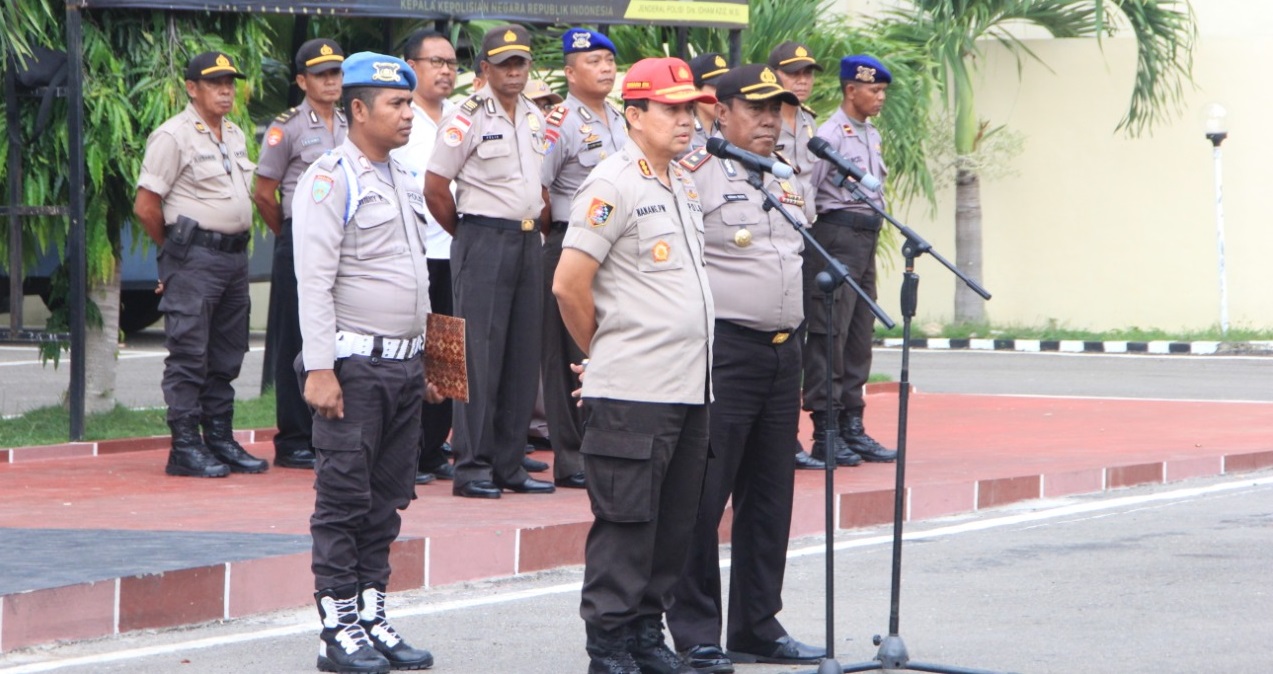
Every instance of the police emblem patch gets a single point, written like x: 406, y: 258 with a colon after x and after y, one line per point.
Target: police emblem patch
x: 581, y: 40
x: 661, y: 251
x: 453, y: 136
x: 386, y: 72
x: 274, y: 137
x: 599, y: 212
x: 322, y: 187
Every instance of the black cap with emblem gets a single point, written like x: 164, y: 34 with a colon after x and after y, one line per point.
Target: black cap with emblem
x: 210, y: 65
x: 752, y: 82
x: 319, y: 55
x: 792, y: 57
x: 707, y: 67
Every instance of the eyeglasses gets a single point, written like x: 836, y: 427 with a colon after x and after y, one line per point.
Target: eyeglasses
x: 225, y: 157
x: 438, y: 62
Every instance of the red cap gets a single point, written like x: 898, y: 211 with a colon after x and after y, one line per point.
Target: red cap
x: 666, y: 80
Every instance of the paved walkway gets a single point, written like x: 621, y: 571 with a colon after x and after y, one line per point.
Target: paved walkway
x: 103, y: 537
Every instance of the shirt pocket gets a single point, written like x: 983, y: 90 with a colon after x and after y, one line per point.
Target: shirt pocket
x: 311, y: 154
x: 735, y: 218
x: 247, y: 166
x: 377, y: 234
x: 211, y: 179
x: 495, y: 149
x: 659, y: 244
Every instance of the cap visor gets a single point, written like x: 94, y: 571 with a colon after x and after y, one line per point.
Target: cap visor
x: 322, y: 67
x: 502, y: 54
x: 797, y: 66
x: 689, y: 93
x: 778, y: 93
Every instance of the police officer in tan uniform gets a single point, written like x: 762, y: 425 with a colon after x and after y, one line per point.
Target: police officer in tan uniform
x: 493, y: 148
x: 192, y: 198
x: 795, y: 67
x: 707, y: 68
x: 582, y: 131
x: 849, y: 230
x: 754, y: 265
x: 294, y: 140
x: 634, y: 293
x: 364, y: 296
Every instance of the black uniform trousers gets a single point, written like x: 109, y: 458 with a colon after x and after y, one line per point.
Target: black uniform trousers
x: 498, y: 283
x: 365, y: 469
x: 754, y: 422
x: 645, y: 464
x: 205, y: 306
x: 853, y: 321
x: 565, y: 419
x: 435, y: 420
x: 283, y: 342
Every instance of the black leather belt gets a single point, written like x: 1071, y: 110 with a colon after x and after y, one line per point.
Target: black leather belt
x: 226, y: 243
x: 559, y: 226
x: 528, y: 225
x: 750, y: 334
x: 854, y: 219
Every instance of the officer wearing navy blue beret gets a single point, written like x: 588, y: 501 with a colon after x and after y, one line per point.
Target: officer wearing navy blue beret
x: 583, y: 130
x: 363, y: 287
x: 849, y: 230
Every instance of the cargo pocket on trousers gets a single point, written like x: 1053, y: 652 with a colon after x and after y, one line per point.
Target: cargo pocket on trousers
x: 620, y: 474
x: 336, y: 435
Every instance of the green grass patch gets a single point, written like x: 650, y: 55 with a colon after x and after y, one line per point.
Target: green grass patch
x: 1055, y: 331
x: 51, y: 425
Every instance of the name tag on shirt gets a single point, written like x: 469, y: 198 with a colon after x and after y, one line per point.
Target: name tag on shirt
x: 493, y: 136
x: 643, y: 211
x: 735, y: 197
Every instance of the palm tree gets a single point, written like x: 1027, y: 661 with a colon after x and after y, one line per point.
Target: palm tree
x: 951, y: 31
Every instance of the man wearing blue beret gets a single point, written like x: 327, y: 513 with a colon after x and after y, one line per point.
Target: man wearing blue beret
x: 582, y: 131
x: 363, y: 286
x: 849, y: 229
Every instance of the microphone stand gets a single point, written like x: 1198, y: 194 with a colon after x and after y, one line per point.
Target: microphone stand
x: 892, y: 654
x: 828, y: 280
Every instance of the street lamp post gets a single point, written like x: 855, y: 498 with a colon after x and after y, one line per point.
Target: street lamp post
x: 1216, y: 132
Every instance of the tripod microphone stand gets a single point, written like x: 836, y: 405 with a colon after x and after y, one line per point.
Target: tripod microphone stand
x: 892, y: 653
x: 828, y: 280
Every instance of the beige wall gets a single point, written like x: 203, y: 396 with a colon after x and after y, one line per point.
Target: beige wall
x: 1098, y: 230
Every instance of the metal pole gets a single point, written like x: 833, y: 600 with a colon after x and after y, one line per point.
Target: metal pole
x: 14, y: 122
x: 77, y: 257
x: 1216, y: 139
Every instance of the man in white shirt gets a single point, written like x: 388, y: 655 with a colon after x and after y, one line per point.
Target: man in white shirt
x: 432, y: 58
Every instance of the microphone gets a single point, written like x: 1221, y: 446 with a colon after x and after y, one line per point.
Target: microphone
x: 721, y: 148
x: 823, y: 150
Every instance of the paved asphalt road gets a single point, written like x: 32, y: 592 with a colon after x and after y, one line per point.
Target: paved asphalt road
x: 1156, y: 580
x: 26, y: 384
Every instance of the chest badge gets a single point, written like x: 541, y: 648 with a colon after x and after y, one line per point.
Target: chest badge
x: 742, y: 238
x: 661, y: 251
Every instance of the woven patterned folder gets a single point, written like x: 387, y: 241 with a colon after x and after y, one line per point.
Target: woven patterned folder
x: 444, y: 364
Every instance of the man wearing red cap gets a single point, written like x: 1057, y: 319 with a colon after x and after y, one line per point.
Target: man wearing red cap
x: 634, y: 294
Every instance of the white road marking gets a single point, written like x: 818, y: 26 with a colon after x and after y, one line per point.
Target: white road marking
x: 519, y: 595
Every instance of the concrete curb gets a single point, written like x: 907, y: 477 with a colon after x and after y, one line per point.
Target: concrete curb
x: 1201, y: 348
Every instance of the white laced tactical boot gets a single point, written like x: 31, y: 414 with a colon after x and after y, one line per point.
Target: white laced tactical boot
x: 386, y: 640
x: 344, y: 646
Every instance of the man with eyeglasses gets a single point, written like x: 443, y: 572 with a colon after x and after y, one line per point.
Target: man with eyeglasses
x: 582, y: 131
x: 193, y: 199
x: 432, y: 59
x: 492, y: 146
x: 293, y: 141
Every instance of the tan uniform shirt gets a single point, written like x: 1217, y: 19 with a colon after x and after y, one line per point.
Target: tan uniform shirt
x: 753, y: 256
x: 577, y: 141
x: 655, y: 318
x: 185, y: 165
x: 862, y: 147
x: 367, y: 274
x: 794, y: 148
x: 701, y: 133
x: 495, y: 161
x: 294, y: 140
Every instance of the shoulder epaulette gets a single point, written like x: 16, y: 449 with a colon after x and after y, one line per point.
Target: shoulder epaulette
x: 696, y: 159
x: 471, y: 105
x: 286, y: 115
x: 558, y: 115
x: 328, y: 160
x: 809, y: 110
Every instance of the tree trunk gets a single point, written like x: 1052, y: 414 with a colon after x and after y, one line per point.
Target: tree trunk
x: 969, y: 307
x: 101, y: 347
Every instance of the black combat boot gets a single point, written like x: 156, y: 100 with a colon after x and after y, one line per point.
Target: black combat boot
x: 650, y: 651
x: 188, y: 456
x: 371, y: 615
x: 843, y: 455
x: 608, y: 651
x: 343, y: 645
x: 854, y: 434
x: 218, y: 435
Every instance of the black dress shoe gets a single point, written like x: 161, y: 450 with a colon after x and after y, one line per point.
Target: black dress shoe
x: 784, y: 651
x: 444, y: 472
x: 708, y: 659
x: 476, y: 489
x: 529, y: 486
x: 575, y: 481
x: 544, y: 444
x: 301, y: 458
x: 806, y: 462
x: 446, y: 449
x: 425, y: 478
x: 533, y: 465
